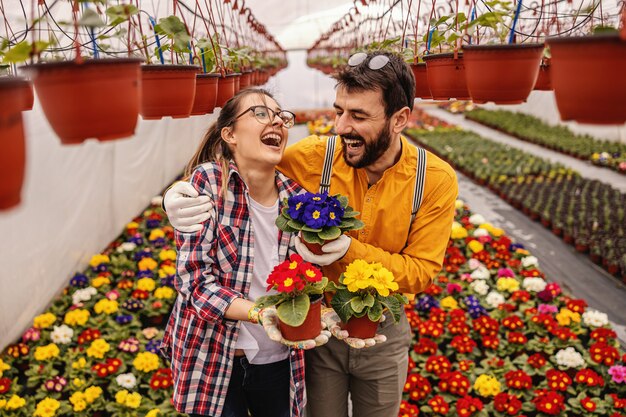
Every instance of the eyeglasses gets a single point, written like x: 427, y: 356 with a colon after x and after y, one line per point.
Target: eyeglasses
x: 376, y: 63
x: 265, y: 115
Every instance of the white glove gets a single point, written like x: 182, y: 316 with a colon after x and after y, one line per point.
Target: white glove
x: 333, y: 251
x: 331, y: 321
x: 268, y: 317
x: 185, y: 208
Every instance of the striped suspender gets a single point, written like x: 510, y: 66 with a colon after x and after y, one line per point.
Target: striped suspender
x: 420, y: 175
x: 327, y: 170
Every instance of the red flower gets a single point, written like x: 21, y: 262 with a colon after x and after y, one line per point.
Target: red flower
x: 437, y: 314
x: 417, y: 386
x: 507, y: 403
x: 431, y: 328
x: 513, y: 323
x: 425, y: 346
x: 437, y: 365
x: 465, y: 365
x: 517, y: 338
x: 125, y: 284
x: 548, y: 402
x: 520, y: 296
x: 603, y: 353
x: 293, y: 275
x: 454, y: 383
x: 603, y: 335
x: 588, y: 404
x: 577, y: 306
x: 491, y: 342
x: 486, y: 326
x: 514, y: 263
x: 18, y: 349
x: 408, y: 410
x: 589, y: 378
x: 458, y: 326
x: 5, y: 385
x: 140, y: 294
x: 439, y: 405
x: 161, y: 379
x: 463, y: 344
x: 502, y: 244
x: 413, y: 317
x: 88, y: 335
x: 518, y: 380
x: 467, y: 406
x: 558, y: 380
x: 433, y: 290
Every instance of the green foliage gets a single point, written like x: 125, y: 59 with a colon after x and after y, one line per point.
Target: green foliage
x: 120, y: 13
x: 499, y: 19
x: 174, y: 29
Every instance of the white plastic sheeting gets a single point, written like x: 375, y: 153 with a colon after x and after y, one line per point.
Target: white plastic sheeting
x: 77, y: 199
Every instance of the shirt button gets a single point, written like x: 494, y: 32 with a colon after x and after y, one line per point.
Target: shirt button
x: 368, y: 199
x: 297, y: 384
x: 293, y: 353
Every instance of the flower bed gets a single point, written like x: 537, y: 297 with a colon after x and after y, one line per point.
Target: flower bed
x: 559, y: 138
x: 497, y: 339
x: 586, y: 213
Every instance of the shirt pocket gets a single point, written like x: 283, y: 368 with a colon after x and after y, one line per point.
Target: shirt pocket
x: 227, y: 247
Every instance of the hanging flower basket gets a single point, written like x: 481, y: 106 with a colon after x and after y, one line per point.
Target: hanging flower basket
x: 421, y: 81
x: 168, y: 90
x: 206, y: 94
x: 245, y: 80
x: 28, y: 96
x: 544, y: 79
x: 225, y: 89
x: 237, y: 77
x: 13, y: 155
x: 446, y: 76
x: 96, y: 98
x: 588, y: 76
x: 504, y: 74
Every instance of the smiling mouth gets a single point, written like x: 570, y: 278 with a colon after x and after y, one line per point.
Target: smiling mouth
x: 272, y: 139
x: 353, y: 143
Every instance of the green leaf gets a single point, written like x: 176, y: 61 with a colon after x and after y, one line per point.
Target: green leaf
x: 317, y: 288
x: 343, y: 200
x: 293, y: 311
x: 394, y: 306
x: 356, y: 303
x: 120, y: 13
x: 295, y: 224
x: 310, y: 229
x: 347, y: 214
x: 369, y: 300
x: 269, y: 300
x: 375, y: 312
x: 91, y: 19
x: 174, y: 29
x: 330, y: 234
x: 18, y: 53
x: 312, y: 237
x: 341, y: 304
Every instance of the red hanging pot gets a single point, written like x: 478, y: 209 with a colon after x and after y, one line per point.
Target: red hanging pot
x: 225, y: 89
x: 244, y: 81
x: 504, y: 74
x: 97, y: 98
x: 446, y: 76
x: 237, y: 77
x: 206, y: 94
x: 311, y: 327
x: 421, y: 81
x: 361, y: 327
x: 544, y: 79
x: 168, y: 90
x: 589, y: 78
x: 13, y: 155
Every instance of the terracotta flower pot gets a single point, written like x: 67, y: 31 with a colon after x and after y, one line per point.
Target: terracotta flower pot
x: 588, y: 78
x: 361, y: 327
x: 168, y: 90
x: 544, y: 79
x: 97, y: 98
x: 28, y: 96
x: 206, y: 94
x: 421, y: 81
x: 311, y: 327
x: 504, y: 74
x: 237, y: 77
x: 446, y: 76
x: 13, y: 155
x: 225, y: 89
x: 245, y: 80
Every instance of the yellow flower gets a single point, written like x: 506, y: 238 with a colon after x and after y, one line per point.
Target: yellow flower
x: 487, y: 385
x: 98, y: 348
x: 46, y: 352
x: 15, y: 402
x: 98, y: 282
x: 99, y: 259
x: 3, y: 402
x: 105, y: 306
x: 120, y: 396
x: 153, y: 413
x: 156, y: 234
x: 164, y: 293
x: 449, y: 303
x: 146, y: 284
x: 79, y: 364
x: 47, y: 407
x: 92, y: 393
x: 3, y: 367
x: 565, y: 317
x: 475, y: 246
x: 166, y: 271
x: 43, y: 321
x: 487, y: 226
x: 458, y: 204
x: 146, y: 362
x: 132, y: 225
x: 133, y: 400
x: 78, y: 382
x: 458, y: 231
x: 384, y: 281
x: 167, y: 254
x: 358, y: 275
x: 78, y: 401
x: 76, y: 317
x: 497, y: 232
x: 521, y: 251
x: 147, y: 264
x: 507, y: 284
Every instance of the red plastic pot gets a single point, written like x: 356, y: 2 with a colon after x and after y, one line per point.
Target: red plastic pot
x: 588, y: 76
x: 168, y: 90
x: 503, y: 74
x: 361, y: 327
x: 245, y: 80
x: 544, y: 79
x: 13, y: 155
x: 237, y: 77
x: 446, y: 76
x: 225, y: 89
x: 206, y: 94
x: 311, y: 327
x: 421, y: 81
x: 96, y: 98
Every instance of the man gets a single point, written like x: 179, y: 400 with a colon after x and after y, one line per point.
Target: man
x: 386, y: 178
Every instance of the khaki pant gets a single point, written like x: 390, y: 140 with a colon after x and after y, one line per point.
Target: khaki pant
x: 374, y: 376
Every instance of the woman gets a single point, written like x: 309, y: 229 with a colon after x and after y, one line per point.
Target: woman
x: 223, y: 363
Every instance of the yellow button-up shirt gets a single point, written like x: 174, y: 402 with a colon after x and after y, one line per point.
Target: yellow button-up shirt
x: 414, y: 255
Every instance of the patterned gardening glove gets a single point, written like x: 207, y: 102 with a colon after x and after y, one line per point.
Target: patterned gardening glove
x: 331, y: 321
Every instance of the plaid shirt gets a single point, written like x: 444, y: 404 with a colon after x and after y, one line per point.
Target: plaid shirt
x: 214, y: 267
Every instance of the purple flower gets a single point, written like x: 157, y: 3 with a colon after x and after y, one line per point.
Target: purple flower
x: 515, y: 246
x: 137, y: 239
x: 477, y: 311
x: 153, y: 345
x: 618, y: 373
x: 79, y: 280
x: 159, y: 242
x: 547, y: 309
x: 100, y: 268
x: 315, y: 216
x: 295, y: 206
x: 145, y: 274
x: 124, y: 318
x: 152, y: 223
x: 426, y: 302
x: 146, y: 253
x: 132, y: 305
x: 168, y: 281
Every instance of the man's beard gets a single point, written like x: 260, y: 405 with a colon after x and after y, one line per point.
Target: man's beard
x: 372, y: 151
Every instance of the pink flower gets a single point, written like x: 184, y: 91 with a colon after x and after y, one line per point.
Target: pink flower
x: 454, y: 288
x: 547, y: 309
x: 506, y: 272
x: 31, y: 334
x: 618, y: 373
x: 466, y: 277
x: 113, y: 295
x: 474, y: 263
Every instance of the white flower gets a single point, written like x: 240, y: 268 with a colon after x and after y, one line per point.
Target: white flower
x: 494, y: 299
x: 479, y: 287
x: 595, y: 318
x: 477, y: 219
x: 83, y: 294
x: 62, y: 334
x: 480, y: 232
x: 156, y: 200
x: 570, y: 358
x: 127, y: 381
x: 474, y: 263
x: 529, y: 261
x: 480, y: 273
x: 126, y: 247
x: 534, y: 284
